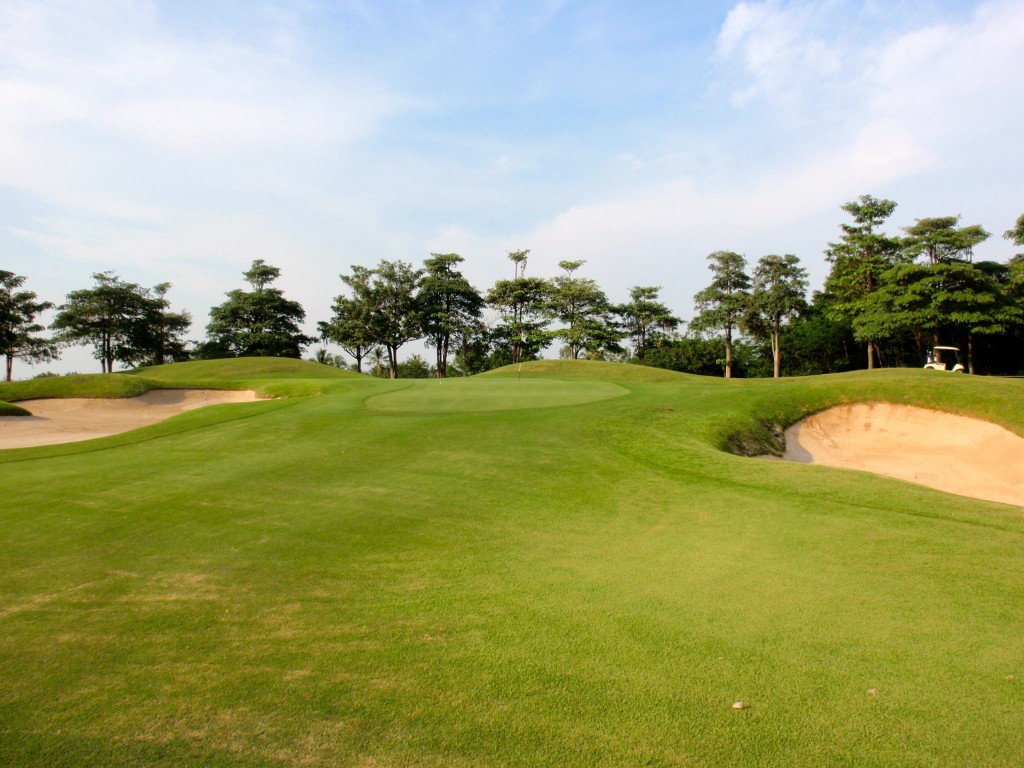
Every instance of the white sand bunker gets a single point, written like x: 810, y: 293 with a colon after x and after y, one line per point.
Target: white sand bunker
x: 73, y: 419
x: 952, y: 453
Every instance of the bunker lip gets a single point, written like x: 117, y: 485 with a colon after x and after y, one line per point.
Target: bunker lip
x: 70, y: 420
x: 951, y: 453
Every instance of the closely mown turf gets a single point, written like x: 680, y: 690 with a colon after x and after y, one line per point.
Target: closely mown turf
x: 7, y: 409
x: 553, y: 567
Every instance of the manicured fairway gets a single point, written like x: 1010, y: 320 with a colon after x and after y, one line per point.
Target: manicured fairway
x: 367, y: 573
x: 494, y: 394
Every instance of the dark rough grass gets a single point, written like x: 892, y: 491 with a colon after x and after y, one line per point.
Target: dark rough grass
x: 314, y: 582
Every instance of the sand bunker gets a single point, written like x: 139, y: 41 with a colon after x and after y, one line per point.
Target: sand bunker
x: 73, y: 419
x: 952, y: 453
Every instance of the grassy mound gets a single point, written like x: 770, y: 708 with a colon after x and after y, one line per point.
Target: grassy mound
x: 269, y: 376
x: 319, y: 581
x: 243, y: 369
x: 89, y: 385
x: 594, y: 369
x: 7, y: 409
x: 493, y: 394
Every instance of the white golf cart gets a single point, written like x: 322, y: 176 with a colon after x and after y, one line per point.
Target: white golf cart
x: 936, y: 363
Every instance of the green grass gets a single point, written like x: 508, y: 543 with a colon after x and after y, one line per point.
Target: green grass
x: 493, y: 394
x: 269, y: 377
x: 445, y: 574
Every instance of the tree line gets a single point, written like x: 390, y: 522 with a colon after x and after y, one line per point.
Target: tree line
x: 891, y: 296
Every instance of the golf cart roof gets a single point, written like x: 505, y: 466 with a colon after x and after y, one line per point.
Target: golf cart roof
x: 954, y: 349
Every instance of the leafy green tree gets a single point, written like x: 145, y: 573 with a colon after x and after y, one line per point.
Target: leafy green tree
x: 1016, y: 236
x: 377, y: 360
x: 583, y: 309
x: 123, y: 322
x: 645, y: 318
x: 817, y: 343
x: 324, y: 357
x: 722, y: 305
x: 260, y: 322
x: 859, y: 259
x: 159, y: 337
x: 395, y: 312
x: 940, y: 240
x: 351, y: 325
x: 522, y: 305
x: 687, y: 354
x: 449, y: 304
x: 943, y: 301
x: 473, y: 349
x: 18, y: 326
x: 778, y: 291
x: 698, y: 354
x: 415, y: 367
x: 972, y: 301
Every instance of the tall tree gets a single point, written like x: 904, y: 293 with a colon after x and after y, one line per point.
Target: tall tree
x: 350, y: 326
x: 123, y: 321
x: 778, y: 292
x: 972, y: 302
x: 644, y: 318
x: 159, y: 336
x: 18, y: 326
x: 395, y: 315
x: 722, y: 305
x: 943, y: 301
x: 449, y: 304
x: 260, y: 322
x: 583, y: 309
x: 521, y: 302
x: 859, y: 259
x: 940, y: 239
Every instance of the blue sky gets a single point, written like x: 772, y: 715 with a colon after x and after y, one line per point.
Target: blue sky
x: 178, y: 141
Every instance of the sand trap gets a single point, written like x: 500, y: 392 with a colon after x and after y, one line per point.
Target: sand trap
x: 73, y: 419
x: 952, y: 453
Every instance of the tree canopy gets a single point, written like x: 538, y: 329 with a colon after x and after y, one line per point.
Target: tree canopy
x: 257, y: 323
x: 722, y: 304
x: 645, y: 318
x: 450, y: 306
x: 18, y: 327
x: 778, y: 292
x: 123, y: 321
x: 859, y: 259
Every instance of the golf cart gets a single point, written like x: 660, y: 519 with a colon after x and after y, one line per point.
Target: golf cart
x: 936, y: 363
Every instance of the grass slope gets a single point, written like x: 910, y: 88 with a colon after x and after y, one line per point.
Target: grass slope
x: 325, y: 582
x: 270, y: 377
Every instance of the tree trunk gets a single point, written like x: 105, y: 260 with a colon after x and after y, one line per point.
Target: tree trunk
x: 871, y: 355
x: 777, y: 357
x: 728, y: 352
x: 10, y: 366
x: 392, y: 361
x: 442, y: 357
x: 970, y: 353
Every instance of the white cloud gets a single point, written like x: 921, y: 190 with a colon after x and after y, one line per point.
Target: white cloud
x: 934, y: 105
x: 778, y: 48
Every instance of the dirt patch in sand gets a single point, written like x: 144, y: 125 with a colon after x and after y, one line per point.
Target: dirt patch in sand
x: 952, y: 453
x: 73, y: 419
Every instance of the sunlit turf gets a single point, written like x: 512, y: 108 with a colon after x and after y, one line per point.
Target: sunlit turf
x: 317, y: 581
x: 494, y: 394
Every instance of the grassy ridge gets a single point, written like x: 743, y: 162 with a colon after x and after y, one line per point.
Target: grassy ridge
x: 7, y: 409
x: 329, y: 582
x: 270, y: 377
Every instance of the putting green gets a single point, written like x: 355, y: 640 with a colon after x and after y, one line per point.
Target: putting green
x: 495, y: 394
